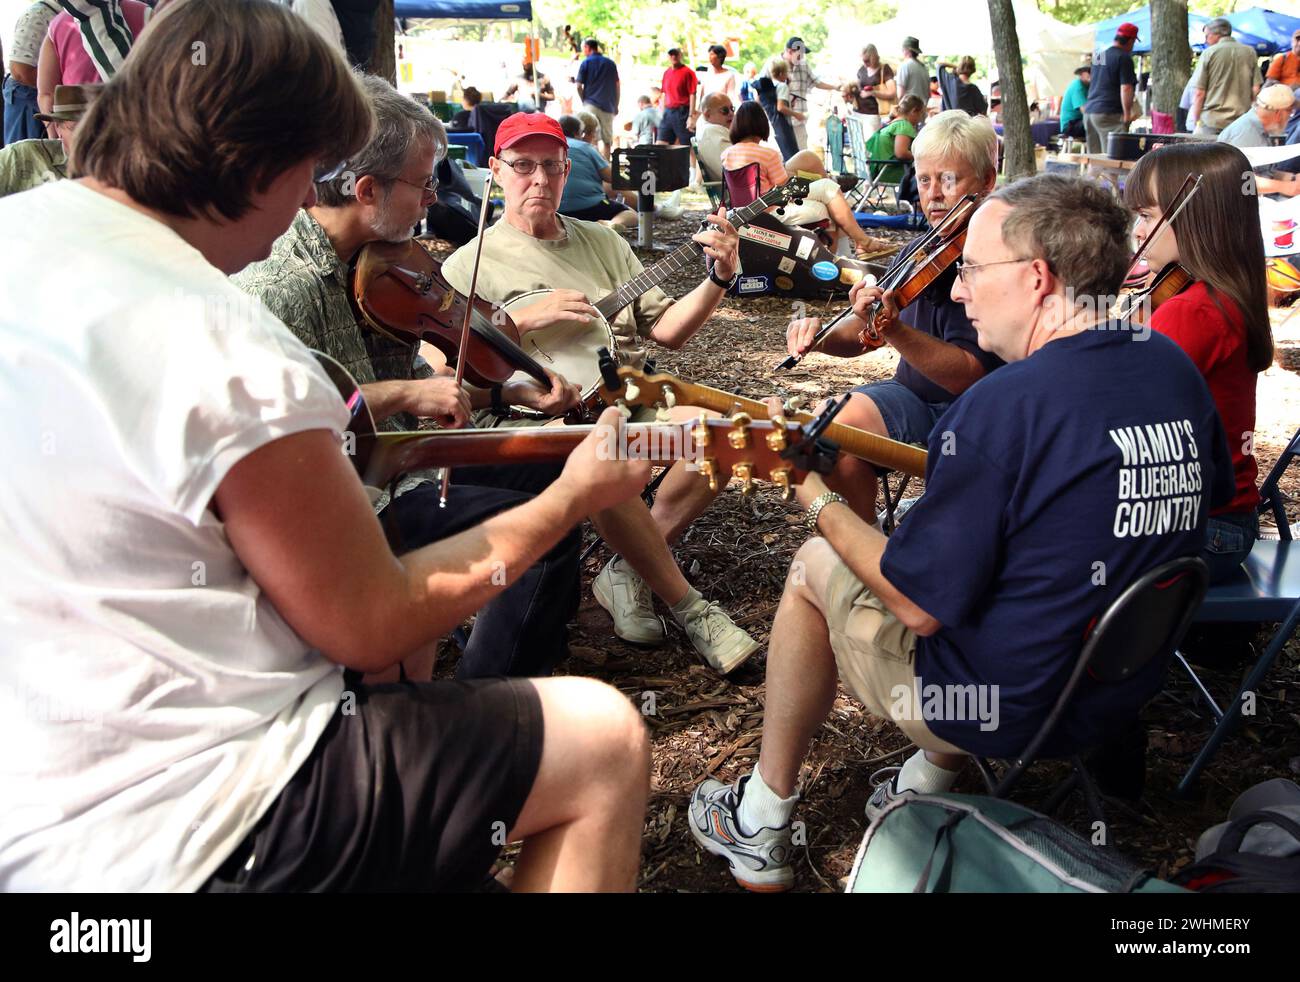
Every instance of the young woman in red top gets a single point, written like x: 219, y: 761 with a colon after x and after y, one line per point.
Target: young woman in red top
x: 1221, y: 319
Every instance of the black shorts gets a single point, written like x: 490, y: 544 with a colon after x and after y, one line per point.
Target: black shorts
x: 599, y: 213
x: 672, y: 128
x: 414, y: 790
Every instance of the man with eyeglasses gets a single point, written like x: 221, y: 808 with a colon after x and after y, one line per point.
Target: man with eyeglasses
x: 939, y: 356
x: 1089, y: 460
x: 713, y: 136
x: 378, y: 196
x: 534, y: 247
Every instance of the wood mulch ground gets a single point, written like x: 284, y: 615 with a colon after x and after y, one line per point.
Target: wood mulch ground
x: 738, y: 552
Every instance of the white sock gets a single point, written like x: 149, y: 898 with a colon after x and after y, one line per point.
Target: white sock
x: 682, y: 606
x: 761, y: 808
x: 923, y: 777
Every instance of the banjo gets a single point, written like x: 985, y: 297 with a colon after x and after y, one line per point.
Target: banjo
x: 570, y: 348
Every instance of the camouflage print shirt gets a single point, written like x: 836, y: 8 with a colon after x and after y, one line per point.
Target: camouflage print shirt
x: 305, y: 284
x: 28, y: 164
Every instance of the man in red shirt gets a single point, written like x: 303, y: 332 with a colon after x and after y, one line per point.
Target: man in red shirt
x: 679, y: 87
x: 1285, y: 66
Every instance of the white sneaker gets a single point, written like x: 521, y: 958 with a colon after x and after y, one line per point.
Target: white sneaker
x: 715, y: 635
x: 627, y: 598
x: 759, y: 862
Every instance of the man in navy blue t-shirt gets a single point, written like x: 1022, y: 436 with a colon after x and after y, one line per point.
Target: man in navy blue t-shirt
x: 1092, y: 457
x: 939, y: 356
x: 600, y: 91
x: 1109, y: 108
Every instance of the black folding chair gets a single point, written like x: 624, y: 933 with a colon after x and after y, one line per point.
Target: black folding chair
x: 1144, y: 623
x: 1265, y: 589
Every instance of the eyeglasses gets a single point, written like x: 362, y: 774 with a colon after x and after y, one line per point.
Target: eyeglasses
x: 429, y: 187
x: 526, y: 168
x: 963, y: 268
x: 728, y: 110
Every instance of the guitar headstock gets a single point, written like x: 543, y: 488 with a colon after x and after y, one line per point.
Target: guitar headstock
x: 630, y: 388
x: 748, y: 449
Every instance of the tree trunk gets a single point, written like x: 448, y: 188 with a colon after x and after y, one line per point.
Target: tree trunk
x: 1171, y: 56
x: 383, y: 60
x: 1017, y: 140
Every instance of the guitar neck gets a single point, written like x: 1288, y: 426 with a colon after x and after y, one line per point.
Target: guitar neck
x: 674, y: 262
x: 879, y: 450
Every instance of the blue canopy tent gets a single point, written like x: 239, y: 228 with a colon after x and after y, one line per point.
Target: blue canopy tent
x: 1268, y: 24
x: 463, y: 10
x: 1105, y: 32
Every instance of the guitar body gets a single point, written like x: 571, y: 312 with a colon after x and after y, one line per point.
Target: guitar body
x: 568, y: 348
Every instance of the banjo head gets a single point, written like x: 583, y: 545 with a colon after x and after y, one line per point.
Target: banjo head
x: 568, y: 348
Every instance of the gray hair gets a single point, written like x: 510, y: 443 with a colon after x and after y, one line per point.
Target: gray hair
x: 1076, y: 226
x: 1220, y: 26
x: 402, y: 126
x: 955, y: 133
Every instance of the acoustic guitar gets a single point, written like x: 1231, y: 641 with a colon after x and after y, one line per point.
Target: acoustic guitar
x: 741, y: 447
x: 631, y: 387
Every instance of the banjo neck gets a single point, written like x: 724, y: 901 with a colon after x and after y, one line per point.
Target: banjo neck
x: 681, y: 257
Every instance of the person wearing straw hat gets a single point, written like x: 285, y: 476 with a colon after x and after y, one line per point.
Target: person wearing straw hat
x: 1266, y: 118
x: 31, y: 163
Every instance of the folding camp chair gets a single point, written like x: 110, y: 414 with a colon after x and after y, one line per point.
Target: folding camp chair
x: 1144, y: 623
x: 875, y: 191
x: 1267, y: 589
x: 712, y: 181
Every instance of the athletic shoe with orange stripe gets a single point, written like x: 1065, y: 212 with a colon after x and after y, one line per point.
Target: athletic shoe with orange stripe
x: 759, y: 862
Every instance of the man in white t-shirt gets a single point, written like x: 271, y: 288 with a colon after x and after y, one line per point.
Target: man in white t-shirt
x: 713, y: 135
x: 190, y: 564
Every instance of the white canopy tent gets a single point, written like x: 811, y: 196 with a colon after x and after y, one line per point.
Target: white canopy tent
x: 958, y: 27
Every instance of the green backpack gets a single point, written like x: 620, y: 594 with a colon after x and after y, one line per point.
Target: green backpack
x: 956, y: 843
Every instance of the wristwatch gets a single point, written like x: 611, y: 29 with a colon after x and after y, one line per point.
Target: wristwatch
x: 725, y: 284
x: 818, y: 504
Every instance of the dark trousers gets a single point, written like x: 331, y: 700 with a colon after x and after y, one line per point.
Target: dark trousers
x: 20, y: 122
x: 521, y: 631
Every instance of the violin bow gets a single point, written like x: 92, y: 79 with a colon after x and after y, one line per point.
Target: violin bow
x: 908, y: 253
x: 469, y: 310
x: 1179, y: 202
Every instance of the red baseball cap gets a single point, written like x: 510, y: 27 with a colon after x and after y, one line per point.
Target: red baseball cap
x: 1127, y: 30
x: 520, y: 126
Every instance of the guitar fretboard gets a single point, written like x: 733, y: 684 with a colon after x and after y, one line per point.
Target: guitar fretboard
x: 679, y: 259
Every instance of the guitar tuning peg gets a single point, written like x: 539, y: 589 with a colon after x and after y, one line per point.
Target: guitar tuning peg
x: 709, y: 468
x: 745, y: 472
x: 739, y: 435
x: 662, y: 415
x: 792, y: 404
x: 633, y: 390
x: 670, y: 399
x: 623, y: 410
x: 781, y: 478
x: 700, y: 431
x: 776, y: 438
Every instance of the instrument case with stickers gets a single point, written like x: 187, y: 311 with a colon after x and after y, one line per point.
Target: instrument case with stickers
x: 779, y: 259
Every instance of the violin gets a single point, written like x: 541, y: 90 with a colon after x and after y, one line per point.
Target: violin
x: 913, y: 271
x: 399, y: 291
x: 1164, y: 285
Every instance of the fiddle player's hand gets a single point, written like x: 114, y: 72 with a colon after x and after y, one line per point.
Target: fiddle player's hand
x: 799, y: 335
x: 555, y: 401
x: 557, y: 308
x: 721, y: 244
x: 863, y: 296
x: 598, y: 473
x: 441, y: 399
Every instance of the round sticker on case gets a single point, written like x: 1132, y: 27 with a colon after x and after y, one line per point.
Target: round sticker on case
x: 784, y: 283
x: 826, y: 270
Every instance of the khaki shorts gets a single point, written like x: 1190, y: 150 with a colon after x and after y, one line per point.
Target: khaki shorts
x: 606, y: 122
x: 875, y: 654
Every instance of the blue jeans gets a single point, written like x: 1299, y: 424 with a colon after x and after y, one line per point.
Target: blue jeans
x: 19, y: 114
x: 1228, y: 541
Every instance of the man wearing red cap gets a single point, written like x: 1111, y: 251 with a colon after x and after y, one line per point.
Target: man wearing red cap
x: 1110, y: 108
x: 535, y: 248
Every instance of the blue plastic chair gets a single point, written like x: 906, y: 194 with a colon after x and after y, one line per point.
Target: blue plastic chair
x: 1266, y: 589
